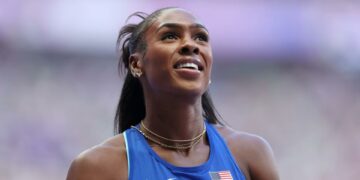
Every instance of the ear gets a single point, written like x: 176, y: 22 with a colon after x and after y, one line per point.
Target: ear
x: 135, y: 64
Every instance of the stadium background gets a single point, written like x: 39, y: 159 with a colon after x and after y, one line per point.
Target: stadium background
x: 288, y: 71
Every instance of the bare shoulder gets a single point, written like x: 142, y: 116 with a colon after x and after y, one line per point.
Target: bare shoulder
x: 253, y: 153
x: 106, y: 161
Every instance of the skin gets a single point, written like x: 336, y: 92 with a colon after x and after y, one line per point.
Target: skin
x: 173, y: 105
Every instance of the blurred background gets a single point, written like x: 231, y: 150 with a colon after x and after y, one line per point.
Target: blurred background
x: 288, y: 71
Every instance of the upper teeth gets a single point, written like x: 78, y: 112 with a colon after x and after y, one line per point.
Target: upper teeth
x: 189, y: 65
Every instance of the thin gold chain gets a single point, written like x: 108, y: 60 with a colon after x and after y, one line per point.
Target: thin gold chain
x: 174, y: 140
x: 179, y: 147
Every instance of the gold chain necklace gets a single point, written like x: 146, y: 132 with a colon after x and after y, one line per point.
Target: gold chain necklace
x: 174, y: 140
x: 190, y: 143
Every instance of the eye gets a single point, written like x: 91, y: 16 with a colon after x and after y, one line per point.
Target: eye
x: 202, y: 37
x: 169, y: 36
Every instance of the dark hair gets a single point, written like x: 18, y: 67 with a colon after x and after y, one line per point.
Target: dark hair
x: 131, y: 107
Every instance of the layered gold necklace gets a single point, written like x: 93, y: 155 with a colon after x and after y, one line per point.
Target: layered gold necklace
x: 178, y: 144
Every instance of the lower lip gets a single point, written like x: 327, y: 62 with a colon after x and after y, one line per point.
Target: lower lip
x: 188, y: 73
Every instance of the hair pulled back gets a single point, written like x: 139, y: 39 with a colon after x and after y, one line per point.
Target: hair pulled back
x: 131, y: 107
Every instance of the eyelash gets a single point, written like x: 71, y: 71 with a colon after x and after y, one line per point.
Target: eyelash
x: 203, y: 37
x: 171, y: 35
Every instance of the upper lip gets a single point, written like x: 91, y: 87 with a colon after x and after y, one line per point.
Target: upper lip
x: 190, y: 60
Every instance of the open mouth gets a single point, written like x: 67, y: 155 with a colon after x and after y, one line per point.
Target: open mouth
x: 194, y: 65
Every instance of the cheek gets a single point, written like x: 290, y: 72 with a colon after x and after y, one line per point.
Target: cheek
x: 160, y: 56
x: 209, y: 59
x: 159, y: 53
x: 154, y: 58
x: 157, y: 64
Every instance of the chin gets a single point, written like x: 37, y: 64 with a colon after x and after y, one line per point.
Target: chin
x: 191, y: 89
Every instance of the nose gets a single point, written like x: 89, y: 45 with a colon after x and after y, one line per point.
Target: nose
x: 189, y: 47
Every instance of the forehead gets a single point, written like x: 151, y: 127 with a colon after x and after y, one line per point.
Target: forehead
x: 174, y: 16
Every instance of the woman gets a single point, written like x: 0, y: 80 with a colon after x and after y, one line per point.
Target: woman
x: 166, y: 125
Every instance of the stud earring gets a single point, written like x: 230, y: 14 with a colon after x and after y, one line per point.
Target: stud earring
x: 209, y: 81
x: 136, y: 73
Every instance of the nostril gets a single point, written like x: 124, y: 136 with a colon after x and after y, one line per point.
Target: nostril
x: 196, y: 50
x: 185, y: 50
x: 189, y: 50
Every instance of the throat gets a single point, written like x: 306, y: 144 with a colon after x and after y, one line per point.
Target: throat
x: 173, y: 118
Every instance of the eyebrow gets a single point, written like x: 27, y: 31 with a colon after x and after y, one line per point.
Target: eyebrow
x: 178, y: 26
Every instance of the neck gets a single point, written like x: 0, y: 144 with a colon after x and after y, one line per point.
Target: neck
x: 174, y: 117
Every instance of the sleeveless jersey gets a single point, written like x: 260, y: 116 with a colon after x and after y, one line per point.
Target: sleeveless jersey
x: 144, y: 163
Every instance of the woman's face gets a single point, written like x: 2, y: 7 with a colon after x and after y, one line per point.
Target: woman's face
x: 178, y: 56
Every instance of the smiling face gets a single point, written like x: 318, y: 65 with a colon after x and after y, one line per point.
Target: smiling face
x: 178, y: 56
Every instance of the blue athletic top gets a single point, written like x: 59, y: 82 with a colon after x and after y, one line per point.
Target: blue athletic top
x: 144, y: 163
